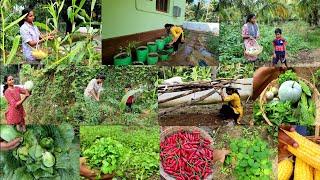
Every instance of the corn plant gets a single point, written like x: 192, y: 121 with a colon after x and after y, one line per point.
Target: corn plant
x: 64, y: 49
x: 6, y: 26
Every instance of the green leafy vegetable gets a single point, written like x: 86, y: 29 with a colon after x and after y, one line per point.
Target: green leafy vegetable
x: 8, y: 133
x: 305, y: 88
x: 40, y: 155
x: 306, y: 114
x: 105, y: 154
x: 287, y: 76
x: 250, y: 158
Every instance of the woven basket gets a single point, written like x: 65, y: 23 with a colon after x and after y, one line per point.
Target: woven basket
x: 35, y: 52
x: 258, y: 50
x: 174, y: 129
x: 274, y: 83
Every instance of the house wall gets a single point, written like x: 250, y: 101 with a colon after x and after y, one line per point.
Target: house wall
x: 125, y: 17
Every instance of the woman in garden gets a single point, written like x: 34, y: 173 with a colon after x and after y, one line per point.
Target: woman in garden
x: 15, y: 114
x: 234, y: 107
x: 250, y: 34
x: 178, y: 36
x: 31, y: 36
x: 94, y: 88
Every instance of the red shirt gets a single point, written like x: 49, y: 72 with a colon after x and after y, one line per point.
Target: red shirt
x: 130, y: 100
x: 279, y: 45
x: 14, y: 114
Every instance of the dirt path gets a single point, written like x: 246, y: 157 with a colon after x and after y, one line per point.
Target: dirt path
x: 202, y: 115
x: 305, y: 58
x: 190, y: 53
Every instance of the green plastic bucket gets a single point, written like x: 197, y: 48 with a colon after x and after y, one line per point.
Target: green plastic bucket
x: 168, y: 39
x: 142, y: 53
x: 164, y: 55
x: 169, y: 49
x: 122, y: 59
x: 152, y: 58
x: 152, y: 47
x: 160, y: 44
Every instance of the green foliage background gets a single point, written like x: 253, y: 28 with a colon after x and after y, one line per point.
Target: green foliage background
x: 58, y: 95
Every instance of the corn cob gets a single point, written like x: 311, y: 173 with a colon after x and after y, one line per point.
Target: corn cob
x: 285, y: 169
x: 316, y: 174
x: 39, y: 54
x: 302, y: 171
x: 307, y: 151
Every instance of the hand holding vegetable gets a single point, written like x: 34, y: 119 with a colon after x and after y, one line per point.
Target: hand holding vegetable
x: 284, y: 140
x: 7, y: 146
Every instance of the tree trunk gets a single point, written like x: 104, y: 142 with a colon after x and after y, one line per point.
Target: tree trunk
x: 315, y: 17
x: 197, y: 11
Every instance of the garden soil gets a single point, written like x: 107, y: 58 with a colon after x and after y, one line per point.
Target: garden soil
x: 306, y: 58
x: 202, y: 115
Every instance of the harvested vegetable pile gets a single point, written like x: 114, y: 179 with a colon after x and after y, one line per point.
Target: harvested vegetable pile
x: 47, y: 152
x: 288, y: 100
x: 187, y: 155
x: 250, y: 159
x: 307, y: 160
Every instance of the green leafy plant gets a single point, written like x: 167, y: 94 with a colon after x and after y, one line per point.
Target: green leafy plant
x: 142, y: 157
x: 33, y: 161
x: 250, y: 158
x: 5, y: 27
x: 128, y: 49
x: 106, y: 155
x: 287, y: 76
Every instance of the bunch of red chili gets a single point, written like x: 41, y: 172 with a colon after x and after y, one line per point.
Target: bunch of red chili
x: 186, y: 155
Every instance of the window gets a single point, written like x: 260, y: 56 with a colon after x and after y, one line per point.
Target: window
x: 162, y: 5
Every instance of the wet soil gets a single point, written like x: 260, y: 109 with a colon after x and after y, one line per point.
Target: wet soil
x: 189, y: 53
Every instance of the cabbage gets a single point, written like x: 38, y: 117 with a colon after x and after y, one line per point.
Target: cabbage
x: 28, y: 85
x: 8, y: 133
x: 22, y: 152
x: 46, y: 143
x: 48, y: 159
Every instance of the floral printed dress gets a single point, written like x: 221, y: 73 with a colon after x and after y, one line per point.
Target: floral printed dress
x: 249, y: 43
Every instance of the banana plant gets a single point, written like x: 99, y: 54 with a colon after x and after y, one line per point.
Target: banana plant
x: 5, y: 26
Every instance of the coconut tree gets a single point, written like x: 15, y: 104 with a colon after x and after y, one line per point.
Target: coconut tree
x: 309, y: 10
x: 271, y: 10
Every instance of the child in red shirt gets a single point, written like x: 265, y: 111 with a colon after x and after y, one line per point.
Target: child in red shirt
x: 279, y: 45
x: 130, y: 99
